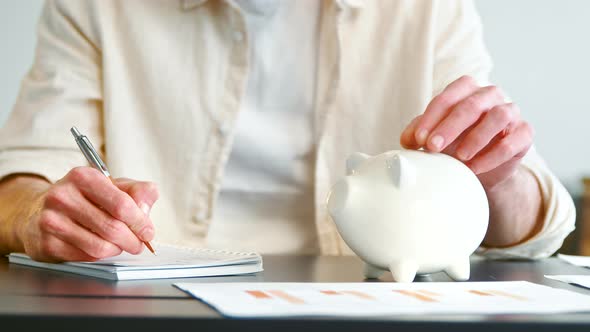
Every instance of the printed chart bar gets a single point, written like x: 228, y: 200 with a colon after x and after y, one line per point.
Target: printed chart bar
x: 506, y: 294
x: 498, y: 293
x: 289, y: 298
x: 480, y: 293
x: 359, y: 295
x: 415, y: 295
x: 421, y: 294
x: 258, y: 294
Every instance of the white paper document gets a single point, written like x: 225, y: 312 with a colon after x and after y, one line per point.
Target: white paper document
x: 381, y: 299
x: 583, y: 261
x: 578, y: 280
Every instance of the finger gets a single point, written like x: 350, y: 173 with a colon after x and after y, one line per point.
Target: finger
x: 62, y: 227
x: 463, y: 115
x: 77, y: 208
x: 514, y: 145
x: 408, y: 138
x: 451, y: 149
x: 52, y: 249
x: 441, y: 105
x: 143, y: 193
x: 101, y: 191
x: 494, y: 122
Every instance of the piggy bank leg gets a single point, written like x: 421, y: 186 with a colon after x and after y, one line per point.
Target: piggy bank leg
x: 403, y: 271
x: 459, y: 270
x: 372, y: 272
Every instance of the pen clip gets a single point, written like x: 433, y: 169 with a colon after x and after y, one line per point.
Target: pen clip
x: 89, y: 152
x: 94, y: 155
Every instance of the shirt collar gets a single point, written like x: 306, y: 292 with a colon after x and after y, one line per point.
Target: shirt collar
x: 343, y: 4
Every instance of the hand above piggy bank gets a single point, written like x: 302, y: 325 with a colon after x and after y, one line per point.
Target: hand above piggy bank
x: 410, y: 212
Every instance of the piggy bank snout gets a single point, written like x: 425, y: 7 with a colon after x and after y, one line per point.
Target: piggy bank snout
x: 339, y: 197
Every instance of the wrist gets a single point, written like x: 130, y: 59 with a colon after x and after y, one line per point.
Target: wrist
x: 516, y: 210
x: 27, y: 212
x: 505, y: 185
x: 20, y: 200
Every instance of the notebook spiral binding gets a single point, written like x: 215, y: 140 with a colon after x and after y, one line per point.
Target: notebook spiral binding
x: 207, y: 250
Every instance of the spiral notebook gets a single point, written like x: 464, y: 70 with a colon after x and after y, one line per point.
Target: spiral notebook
x: 170, y: 262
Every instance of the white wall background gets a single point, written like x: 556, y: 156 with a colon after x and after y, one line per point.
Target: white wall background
x: 541, y: 49
x: 18, y: 22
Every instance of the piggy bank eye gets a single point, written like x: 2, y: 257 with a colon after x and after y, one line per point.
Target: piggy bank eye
x: 403, y: 173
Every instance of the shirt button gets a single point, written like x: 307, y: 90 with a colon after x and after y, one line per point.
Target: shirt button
x: 238, y: 36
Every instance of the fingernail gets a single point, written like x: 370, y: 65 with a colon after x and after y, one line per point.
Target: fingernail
x: 145, y: 208
x: 421, y: 137
x: 147, y: 234
x: 437, y: 142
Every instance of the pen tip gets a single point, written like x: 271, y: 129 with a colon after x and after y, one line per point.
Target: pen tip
x: 148, y: 245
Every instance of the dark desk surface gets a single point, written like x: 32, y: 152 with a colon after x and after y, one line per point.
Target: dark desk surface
x: 35, y: 298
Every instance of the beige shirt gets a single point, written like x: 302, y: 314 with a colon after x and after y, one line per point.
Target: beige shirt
x: 157, y: 86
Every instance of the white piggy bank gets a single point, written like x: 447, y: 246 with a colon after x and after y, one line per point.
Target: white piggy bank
x: 410, y: 212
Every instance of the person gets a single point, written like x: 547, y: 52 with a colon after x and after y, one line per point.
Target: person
x: 243, y: 112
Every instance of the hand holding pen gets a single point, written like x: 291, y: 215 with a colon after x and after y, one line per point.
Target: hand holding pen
x: 85, y: 216
x: 144, y: 232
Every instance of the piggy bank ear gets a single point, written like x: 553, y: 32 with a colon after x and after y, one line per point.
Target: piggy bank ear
x: 354, y: 161
x: 402, y: 172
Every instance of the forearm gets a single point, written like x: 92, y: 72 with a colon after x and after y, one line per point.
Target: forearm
x: 516, y: 210
x: 18, y: 196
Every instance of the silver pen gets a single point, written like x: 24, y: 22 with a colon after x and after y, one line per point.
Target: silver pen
x: 89, y: 152
x: 95, y: 161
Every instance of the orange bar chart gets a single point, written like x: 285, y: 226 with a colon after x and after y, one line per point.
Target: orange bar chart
x: 274, y: 299
x: 262, y: 295
x: 359, y: 294
x: 506, y: 294
x: 258, y: 294
x: 421, y: 295
x: 286, y: 296
x: 480, y: 293
x: 498, y: 293
x: 416, y: 295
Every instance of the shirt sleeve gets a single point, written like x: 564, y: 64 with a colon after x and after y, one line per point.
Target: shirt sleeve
x: 460, y: 50
x: 459, y: 47
x: 62, y: 89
